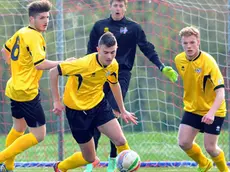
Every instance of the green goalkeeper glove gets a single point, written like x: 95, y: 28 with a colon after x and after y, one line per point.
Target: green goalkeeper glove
x: 170, y: 73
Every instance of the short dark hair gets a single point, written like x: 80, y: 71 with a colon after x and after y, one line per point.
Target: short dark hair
x: 36, y: 7
x: 125, y: 1
x: 107, y: 39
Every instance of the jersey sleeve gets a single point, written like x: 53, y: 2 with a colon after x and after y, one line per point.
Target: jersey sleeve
x: 112, y: 78
x: 10, y: 43
x: 37, y: 49
x: 70, y: 68
x: 216, y: 76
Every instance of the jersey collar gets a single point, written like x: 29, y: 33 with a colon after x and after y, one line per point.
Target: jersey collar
x: 99, y: 62
x: 120, y: 21
x: 196, y: 57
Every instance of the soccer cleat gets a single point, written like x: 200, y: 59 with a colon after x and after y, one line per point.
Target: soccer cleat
x: 89, y: 168
x: 96, y: 162
x: 3, y: 169
x: 56, y: 167
x: 207, y: 167
x: 111, y: 165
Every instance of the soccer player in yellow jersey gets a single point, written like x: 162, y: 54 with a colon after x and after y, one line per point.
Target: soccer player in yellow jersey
x: 85, y: 103
x: 25, y: 52
x: 204, y: 101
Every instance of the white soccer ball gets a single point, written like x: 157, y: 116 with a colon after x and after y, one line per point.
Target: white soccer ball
x: 128, y: 161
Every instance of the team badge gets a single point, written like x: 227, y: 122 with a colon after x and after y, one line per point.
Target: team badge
x: 220, y: 81
x: 123, y: 30
x: 198, y: 70
x: 106, y: 29
x: 182, y: 68
x: 108, y: 73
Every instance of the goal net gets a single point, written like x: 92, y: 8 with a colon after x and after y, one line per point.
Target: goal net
x: 154, y: 99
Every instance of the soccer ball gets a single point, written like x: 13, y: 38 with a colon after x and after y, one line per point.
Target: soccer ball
x: 128, y: 161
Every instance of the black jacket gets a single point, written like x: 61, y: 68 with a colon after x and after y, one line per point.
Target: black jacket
x: 128, y: 34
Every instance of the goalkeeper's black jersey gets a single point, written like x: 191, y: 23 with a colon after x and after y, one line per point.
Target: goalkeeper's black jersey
x: 128, y: 34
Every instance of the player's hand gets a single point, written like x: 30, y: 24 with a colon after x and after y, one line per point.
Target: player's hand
x: 208, y: 118
x: 58, y: 107
x: 70, y: 59
x: 170, y: 73
x: 117, y: 114
x: 128, y: 116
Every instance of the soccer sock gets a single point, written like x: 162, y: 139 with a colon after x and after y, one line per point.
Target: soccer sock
x: 74, y: 161
x: 196, y: 154
x: 113, y: 150
x: 11, y: 137
x: 19, y: 145
x: 220, y: 162
x: 123, y: 147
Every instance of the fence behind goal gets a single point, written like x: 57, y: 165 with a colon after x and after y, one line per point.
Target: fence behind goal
x: 155, y: 100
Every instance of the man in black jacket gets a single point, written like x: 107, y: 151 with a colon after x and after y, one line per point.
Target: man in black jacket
x: 129, y: 34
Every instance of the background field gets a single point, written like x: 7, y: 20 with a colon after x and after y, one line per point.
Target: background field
x: 156, y: 101
x: 104, y: 170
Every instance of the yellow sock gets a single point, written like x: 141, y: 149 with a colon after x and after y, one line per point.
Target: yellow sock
x: 19, y: 145
x: 220, y: 162
x: 122, y: 148
x: 11, y: 137
x: 74, y: 161
x: 196, y: 154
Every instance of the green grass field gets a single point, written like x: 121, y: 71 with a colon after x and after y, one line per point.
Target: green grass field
x: 155, y: 146
x: 104, y: 170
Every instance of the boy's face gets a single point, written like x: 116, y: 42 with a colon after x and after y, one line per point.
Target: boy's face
x: 118, y: 10
x: 106, y: 54
x: 191, y: 46
x: 40, y: 22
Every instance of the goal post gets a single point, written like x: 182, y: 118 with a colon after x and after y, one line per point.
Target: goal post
x: 155, y: 100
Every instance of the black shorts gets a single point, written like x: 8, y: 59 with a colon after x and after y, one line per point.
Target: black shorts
x: 124, y: 79
x: 31, y: 111
x: 82, y: 123
x: 194, y: 121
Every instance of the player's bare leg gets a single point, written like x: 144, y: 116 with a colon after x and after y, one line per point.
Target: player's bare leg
x: 186, y: 137
x: 210, y: 144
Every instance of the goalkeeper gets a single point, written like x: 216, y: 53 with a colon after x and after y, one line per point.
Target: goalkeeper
x: 129, y: 34
x: 204, y: 101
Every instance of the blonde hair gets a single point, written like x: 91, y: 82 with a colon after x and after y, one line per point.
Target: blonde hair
x: 189, y: 31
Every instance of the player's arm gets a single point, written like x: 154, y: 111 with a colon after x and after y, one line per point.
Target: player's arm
x: 125, y: 115
x: 46, y: 64
x: 54, y: 75
x: 220, y: 96
x: 149, y: 51
x: 93, y: 40
x: 6, y: 55
x: 218, y: 81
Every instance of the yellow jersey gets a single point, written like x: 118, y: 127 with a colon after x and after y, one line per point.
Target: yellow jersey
x: 27, y: 49
x: 201, y: 77
x: 87, y: 76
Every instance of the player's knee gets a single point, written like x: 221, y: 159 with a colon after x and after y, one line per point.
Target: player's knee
x: 119, y: 141
x: 185, y: 145
x: 40, y: 138
x: 211, y: 149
